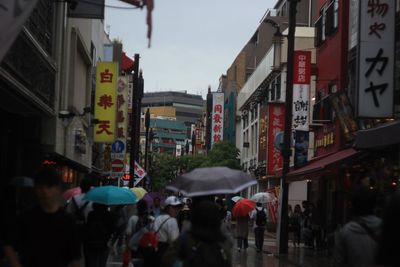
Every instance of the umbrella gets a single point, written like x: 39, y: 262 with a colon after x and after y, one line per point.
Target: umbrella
x: 243, y: 207
x: 211, y: 181
x: 68, y: 194
x: 152, y: 195
x: 111, y: 195
x: 139, y: 192
x: 263, y: 197
x: 22, y: 181
x: 236, y: 198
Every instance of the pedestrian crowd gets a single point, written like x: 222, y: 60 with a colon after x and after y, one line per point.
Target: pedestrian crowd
x: 179, y: 232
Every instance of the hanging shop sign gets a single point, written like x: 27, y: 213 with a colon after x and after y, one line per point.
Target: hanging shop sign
x: 217, y: 127
x: 376, y: 60
x: 106, y: 102
x: 301, y: 90
x: 301, y: 148
x: 262, y: 141
x: 276, y: 125
x: 344, y: 112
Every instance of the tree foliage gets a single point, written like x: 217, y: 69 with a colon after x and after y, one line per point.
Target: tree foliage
x: 165, y: 167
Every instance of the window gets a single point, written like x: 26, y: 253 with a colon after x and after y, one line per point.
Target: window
x: 335, y: 14
x: 323, y: 25
x: 318, y: 32
x: 322, y: 111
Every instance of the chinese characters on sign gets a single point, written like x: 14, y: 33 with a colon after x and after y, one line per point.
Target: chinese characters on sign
x: 276, y: 125
x: 122, y: 124
x: 262, y: 148
x: 301, y: 89
x: 105, y: 102
x: 217, y: 126
x: 376, y: 62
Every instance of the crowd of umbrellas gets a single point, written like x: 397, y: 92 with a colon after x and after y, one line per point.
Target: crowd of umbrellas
x: 199, y: 182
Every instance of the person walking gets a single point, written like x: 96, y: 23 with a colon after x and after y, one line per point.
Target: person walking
x: 390, y: 234
x: 98, y: 230
x: 242, y: 232
x: 204, y: 244
x: 45, y: 236
x: 80, y: 208
x: 259, y: 219
x: 357, y: 242
x: 167, y: 226
x: 295, y: 223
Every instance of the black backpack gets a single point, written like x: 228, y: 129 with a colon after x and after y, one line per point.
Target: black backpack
x: 79, y: 213
x: 261, y: 218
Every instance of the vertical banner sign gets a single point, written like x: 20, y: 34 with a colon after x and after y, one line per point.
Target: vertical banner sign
x: 376, y: 58
x: 262, y: 143
x: 105, y: 102
x: 301, y: 148
x: 119, y: 146
x: 217, y: 126
x: 276, y: 125
x: 140, y: 173
x: 301, y: 90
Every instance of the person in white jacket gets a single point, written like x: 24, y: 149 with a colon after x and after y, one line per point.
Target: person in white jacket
x: 259, y: 219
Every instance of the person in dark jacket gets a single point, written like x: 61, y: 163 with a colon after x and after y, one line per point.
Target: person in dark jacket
x: 390, y: 235
x: 98, y: 230
x: 357, y: 242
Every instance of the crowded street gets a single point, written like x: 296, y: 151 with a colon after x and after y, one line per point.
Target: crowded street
x: 186, y: 133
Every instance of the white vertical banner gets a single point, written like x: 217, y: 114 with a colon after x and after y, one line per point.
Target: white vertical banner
x: 301, y: 107
x: 376, y: 59
x: 301, y: 90
x: 13, y: 14
x: 217, y: 125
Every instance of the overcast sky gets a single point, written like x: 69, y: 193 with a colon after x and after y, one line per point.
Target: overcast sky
x: 193, y: 41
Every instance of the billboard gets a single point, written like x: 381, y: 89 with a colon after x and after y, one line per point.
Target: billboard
x: 301, y: 148
x: 376, y: 60
x: 217, y: 125
x: 105, y: 102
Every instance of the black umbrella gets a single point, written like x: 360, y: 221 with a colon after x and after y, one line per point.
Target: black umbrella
x: 211, y: 181
x: 22, y: 181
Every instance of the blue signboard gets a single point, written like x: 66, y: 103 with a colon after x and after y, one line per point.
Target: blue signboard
x: 118, y: 147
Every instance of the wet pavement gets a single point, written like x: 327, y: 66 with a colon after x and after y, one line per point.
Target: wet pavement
x: 296, y: 257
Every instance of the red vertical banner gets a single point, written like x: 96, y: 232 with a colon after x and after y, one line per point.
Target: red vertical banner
x: 302, y: 67
x: 262, y: 142
x: 276, y: 125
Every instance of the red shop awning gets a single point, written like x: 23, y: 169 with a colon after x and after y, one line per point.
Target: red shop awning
x: 321, y: 164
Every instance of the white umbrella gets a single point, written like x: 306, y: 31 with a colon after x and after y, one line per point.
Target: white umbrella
x: 236, y: 198
x: 263, y: 197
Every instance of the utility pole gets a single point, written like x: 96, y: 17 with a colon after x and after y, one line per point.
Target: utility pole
x: 146, y: 148
x: 209, y: 118
x: 134, y: 134
x: 286, y: 151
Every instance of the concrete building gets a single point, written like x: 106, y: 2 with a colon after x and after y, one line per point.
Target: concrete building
x: 46, y: 88
x: 189, y: 107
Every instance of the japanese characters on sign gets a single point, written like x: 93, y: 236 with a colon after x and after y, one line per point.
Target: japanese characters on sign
x: 376, y: 61
x: 301, y: 90
x: 217, y: 126
x: 276, y: 124
x: 122, y: 123
x: 262, y: 143
x: 105, y: 102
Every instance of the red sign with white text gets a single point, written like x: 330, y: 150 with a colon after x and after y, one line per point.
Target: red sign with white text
x: 302, y: 67
x: 276, y: 125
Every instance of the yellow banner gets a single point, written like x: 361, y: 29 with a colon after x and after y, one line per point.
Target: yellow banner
x: 105, y: 102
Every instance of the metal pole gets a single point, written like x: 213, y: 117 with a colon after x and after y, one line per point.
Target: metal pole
x: 146, y: 148
x: 133, y: 121
x: 283, y: 229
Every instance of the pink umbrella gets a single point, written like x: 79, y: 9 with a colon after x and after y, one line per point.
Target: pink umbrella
x: 71, y: 192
